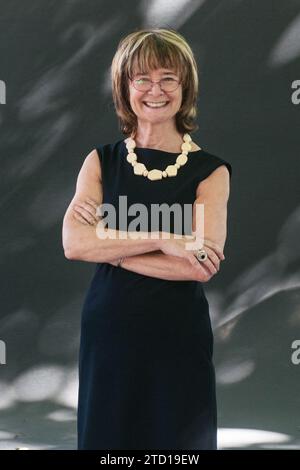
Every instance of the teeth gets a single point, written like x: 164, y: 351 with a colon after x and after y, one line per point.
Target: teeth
x: 155, y: 104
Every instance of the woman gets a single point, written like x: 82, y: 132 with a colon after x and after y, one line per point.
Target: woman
x: 146, y: 376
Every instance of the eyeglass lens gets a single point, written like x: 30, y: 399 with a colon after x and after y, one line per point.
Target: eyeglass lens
x: 166, y: 84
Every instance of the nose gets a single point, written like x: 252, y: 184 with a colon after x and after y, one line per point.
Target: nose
x: 156, y: 90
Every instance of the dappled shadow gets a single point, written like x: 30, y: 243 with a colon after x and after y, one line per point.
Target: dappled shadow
x: 59, y: 107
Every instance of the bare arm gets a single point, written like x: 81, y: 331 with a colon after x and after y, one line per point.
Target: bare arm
x: 154, y: 264
x: 159, y: 265
x: 80, y: 241
x: 214, y: 193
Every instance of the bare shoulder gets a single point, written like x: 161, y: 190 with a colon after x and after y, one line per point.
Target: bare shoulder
x: 90, y: 176
x: 217, y: 182
x: 88, y: 184
x: 92, y: 163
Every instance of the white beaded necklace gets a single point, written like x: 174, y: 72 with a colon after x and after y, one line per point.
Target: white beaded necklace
x: 170, y: 170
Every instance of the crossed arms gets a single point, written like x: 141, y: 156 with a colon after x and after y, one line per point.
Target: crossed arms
x: 160, y: 258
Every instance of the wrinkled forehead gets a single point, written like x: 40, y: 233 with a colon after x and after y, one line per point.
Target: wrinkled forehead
x: 148, y: 67
x: 160, y: 71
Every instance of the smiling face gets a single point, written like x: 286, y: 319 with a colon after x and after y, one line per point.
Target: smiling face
x: 140, y: 101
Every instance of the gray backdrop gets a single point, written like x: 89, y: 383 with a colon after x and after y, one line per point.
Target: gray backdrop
x: 56, y: 106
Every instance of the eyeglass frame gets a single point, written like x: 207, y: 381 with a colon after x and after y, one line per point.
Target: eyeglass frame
x: 153, y: 82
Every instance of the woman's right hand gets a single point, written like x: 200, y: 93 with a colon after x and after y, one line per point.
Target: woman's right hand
x: 179, y: 247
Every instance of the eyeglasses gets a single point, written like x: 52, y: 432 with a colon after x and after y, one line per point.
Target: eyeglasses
x: 167, y: 84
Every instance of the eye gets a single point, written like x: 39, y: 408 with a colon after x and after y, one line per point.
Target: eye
x: 139, y: 81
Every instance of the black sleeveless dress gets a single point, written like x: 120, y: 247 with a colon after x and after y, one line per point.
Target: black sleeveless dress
x: 146, y: 376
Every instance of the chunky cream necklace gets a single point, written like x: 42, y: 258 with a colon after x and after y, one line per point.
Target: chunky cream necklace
x: 170, y: 170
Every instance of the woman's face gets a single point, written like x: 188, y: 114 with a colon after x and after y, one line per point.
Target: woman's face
x: 139, y: 99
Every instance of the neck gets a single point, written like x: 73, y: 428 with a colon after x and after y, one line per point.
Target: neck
x: 159, y: 137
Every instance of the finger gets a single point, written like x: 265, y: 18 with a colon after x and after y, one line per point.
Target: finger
x: 208, y: 265
x: 207, y: 273
x: 203, y: 269
x: 198, y: 267
x: 214, y: 258
x: 217, y: 251
x: 204, y: 242
x: 89, y: 208
x: 80, y: 213
x: 82, y: 209
x: 212, y: 262
x: 96, y: 207
x: 214, y: 246
x: 86, y: 215
x: 92, y: 202
x: 80, y: 218
x: 194, y: 261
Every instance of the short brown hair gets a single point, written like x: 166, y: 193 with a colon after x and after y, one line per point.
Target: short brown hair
x: 145, y: 50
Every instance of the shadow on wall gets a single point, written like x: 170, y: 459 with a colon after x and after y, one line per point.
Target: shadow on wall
x: 59, y: 106
x: 258, y: 381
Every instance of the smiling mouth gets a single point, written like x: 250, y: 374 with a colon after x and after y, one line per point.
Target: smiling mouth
x: 155, y: 106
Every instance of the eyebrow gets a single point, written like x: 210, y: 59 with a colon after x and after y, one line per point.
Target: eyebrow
x: 163, y: 73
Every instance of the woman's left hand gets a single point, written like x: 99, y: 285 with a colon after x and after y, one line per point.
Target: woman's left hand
x: 86, y: 212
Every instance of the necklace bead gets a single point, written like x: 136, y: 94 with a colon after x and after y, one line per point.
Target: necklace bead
x: 153, y: 175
